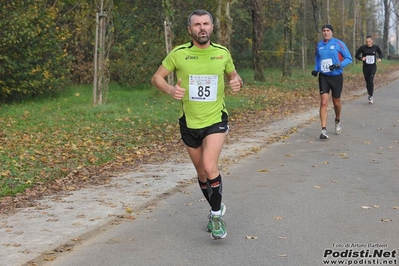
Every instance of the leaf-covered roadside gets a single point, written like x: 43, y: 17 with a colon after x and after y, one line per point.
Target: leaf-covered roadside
x: 73, y: 160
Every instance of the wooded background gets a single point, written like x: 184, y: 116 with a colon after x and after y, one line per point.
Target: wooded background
x: 47, y: 45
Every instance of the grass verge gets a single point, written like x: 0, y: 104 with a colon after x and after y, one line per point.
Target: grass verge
x: 46, y: 140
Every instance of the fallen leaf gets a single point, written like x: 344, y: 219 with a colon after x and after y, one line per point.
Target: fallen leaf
x: 289, y: 155
x: 128, y: 210
x: 26, y: 251
x: 64, y: 248
x: 48, y: 252
x: 49, y: 258
x: 263, y: 170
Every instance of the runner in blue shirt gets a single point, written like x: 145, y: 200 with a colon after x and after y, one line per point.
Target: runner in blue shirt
x: 331, y: 57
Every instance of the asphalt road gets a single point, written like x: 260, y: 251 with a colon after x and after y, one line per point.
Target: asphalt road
x: 301, y: 201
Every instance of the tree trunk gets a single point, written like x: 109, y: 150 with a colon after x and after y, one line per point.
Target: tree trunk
x: 354, y: 31
x: 328, y: 12
x: 257, y: 39
x: 290, y: 22
x: 223, y: 23
x: 103, y: 44
x: 168, y: 46
x: 396, y: 12
x: 343, y: 19
x: 386, y: 28
x: 316, y: 15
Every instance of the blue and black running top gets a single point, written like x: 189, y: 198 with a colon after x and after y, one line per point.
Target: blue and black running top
x: 331, y: 52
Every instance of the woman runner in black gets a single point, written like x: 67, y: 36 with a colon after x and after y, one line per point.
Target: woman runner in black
x: 369, y: 53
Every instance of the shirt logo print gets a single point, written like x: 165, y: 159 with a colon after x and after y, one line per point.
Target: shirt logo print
x: 191, y: 57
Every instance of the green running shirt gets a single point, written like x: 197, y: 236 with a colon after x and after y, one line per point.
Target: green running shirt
x: 202, y: 73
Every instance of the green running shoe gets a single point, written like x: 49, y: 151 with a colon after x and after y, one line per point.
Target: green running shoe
x: 219, y: 227
x: 209, y: 226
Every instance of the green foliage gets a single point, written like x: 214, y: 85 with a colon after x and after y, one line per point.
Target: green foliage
x: 78, y: 20
x: 139, y: 45
x: 46, y: 44
x: 32, y: 56
x: 140, y: 39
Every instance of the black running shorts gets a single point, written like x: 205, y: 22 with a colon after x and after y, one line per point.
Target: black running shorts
x: 333, y: 83
x: 194, y: 137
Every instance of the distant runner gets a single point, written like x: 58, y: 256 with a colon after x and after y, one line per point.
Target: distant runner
x: 368, y: 54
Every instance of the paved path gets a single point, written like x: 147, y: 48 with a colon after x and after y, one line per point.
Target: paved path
x: 301, y: 201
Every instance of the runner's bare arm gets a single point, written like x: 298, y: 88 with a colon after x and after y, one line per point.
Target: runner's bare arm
x: 158, y: 80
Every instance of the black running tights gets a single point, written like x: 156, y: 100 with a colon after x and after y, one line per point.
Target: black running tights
x: 369, y: 72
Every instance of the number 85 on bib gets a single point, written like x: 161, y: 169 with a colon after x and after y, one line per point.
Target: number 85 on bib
x: 203, y: 88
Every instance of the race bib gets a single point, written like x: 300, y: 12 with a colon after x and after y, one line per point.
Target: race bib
x: 325, y: 65
x: 370, y: 59
x: 203, y: 88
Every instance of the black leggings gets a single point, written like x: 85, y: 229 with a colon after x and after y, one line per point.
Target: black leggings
x: 369, y: 73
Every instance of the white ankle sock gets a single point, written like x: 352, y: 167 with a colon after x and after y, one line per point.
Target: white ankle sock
x: 216, y: 213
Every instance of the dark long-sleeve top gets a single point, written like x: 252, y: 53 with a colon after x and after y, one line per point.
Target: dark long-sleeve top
x: 370, y: 53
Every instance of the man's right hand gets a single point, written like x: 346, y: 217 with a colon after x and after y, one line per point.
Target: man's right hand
x: 314, y: 73
x: 178, y: 92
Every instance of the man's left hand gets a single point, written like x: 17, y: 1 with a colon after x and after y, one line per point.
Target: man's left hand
x: 333, y: 67
x: 235, y: 84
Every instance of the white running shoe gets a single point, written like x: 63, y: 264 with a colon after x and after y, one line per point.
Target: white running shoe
x: 338, y: 128
x: 323, y: 134
x: 371, y: 100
